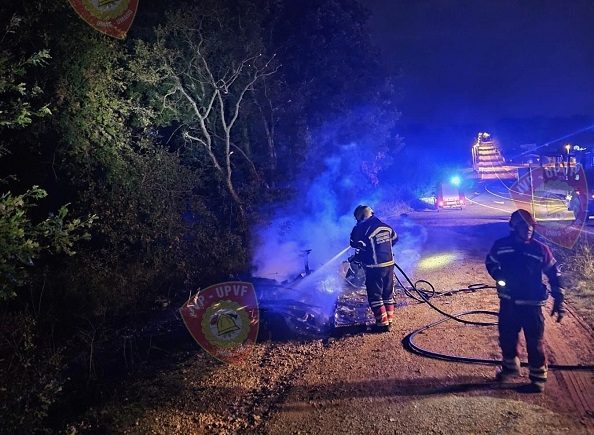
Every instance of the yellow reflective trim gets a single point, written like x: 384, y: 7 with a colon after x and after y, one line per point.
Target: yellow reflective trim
x: 373, y: 266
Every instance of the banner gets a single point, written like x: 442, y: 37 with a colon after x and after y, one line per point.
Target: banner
x: 112, y: 17
x: 224, y: 320
x: 558, y: 199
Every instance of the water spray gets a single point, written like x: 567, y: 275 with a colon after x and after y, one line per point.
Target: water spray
x: 316, y: 273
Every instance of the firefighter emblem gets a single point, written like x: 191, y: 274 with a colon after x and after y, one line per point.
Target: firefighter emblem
x: 224, y: 324
x: 223, y: 319
x: 112, y: 17
x: 557, y: 197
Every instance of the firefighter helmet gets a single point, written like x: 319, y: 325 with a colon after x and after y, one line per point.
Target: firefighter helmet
x: 520, y: 217
x: 363, y: 212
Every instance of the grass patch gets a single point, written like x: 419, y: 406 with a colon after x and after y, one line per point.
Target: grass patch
x: 578, y: 269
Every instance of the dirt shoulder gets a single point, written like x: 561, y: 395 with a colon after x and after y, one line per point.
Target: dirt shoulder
x: 365, y: 383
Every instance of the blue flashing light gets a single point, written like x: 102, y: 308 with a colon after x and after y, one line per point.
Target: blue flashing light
x: 455, y: 180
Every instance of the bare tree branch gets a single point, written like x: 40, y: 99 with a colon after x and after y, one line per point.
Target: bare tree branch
x: 213, y: 88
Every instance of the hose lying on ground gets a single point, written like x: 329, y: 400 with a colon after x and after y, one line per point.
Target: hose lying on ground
x: 424, y: 296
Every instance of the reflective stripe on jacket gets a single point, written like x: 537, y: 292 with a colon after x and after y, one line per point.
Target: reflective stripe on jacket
x: 374, y: 239
x: 520, y: 266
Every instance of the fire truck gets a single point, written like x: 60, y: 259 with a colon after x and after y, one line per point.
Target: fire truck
x: 449, y: 195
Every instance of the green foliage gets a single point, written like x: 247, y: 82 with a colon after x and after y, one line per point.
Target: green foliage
x: 581, y: 260
x: 21, y: 241
x: 578, y: 269
x: 30, y: 377
x: 143, y: 189
x: 94, y: 110
x: 62, y: 234
x: 20, y: 99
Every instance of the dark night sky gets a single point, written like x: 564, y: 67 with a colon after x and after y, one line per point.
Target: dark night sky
x: 489, y: 65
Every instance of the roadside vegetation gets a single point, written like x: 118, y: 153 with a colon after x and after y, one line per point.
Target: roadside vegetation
x: 579, y: 270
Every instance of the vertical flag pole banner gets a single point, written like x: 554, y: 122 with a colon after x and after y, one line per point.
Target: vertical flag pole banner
x: 112, y: 17
x: 224, y: 319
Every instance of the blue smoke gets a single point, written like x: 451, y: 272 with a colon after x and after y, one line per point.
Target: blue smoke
x: 320, y: 219
x: 337, y: 176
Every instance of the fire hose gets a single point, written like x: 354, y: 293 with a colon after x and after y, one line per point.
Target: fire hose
x: 424, y: 295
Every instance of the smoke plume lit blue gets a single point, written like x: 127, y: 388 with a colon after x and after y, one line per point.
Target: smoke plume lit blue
x: 320, y: 219
x: 337, y: 177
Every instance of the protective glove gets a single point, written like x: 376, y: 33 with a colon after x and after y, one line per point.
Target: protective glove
x: 356, y: 258
x: 558, y: 308
x: 500, y: 281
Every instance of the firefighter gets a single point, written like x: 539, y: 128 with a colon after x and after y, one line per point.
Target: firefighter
x: 374, y: 240
x: 517, y: 263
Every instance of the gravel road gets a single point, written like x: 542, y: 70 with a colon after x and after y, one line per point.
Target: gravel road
x: 359, y: 382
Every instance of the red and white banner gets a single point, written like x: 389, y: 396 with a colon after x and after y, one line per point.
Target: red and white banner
x: 112, y: 17
x: 224, y: 320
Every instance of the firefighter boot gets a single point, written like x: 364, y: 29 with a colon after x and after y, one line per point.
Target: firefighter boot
x: 379, y: 328
x: 535, y: 387
x: 390, y: 313
x: 381, y: 317
x: 538, y: 377
x: 509, y: 369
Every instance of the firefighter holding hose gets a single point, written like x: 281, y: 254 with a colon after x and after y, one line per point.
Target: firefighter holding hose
x: 517, y: 262
x: 373, y: 240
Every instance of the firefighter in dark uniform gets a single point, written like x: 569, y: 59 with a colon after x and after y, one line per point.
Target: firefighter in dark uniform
x: 374, y: 239
x: 517, y: 262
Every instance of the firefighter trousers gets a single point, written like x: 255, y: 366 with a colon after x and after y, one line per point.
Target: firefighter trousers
x: 379, y: 283
x: 513, y: 319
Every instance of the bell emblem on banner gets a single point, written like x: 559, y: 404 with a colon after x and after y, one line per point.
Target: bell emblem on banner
x: 226, y: 324
x: 112, y: 17
x: 224, y: 320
